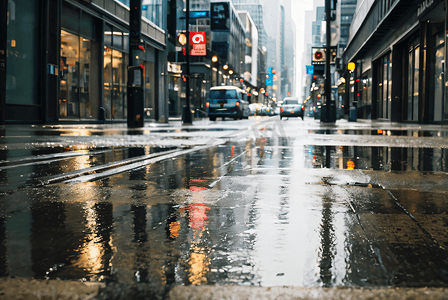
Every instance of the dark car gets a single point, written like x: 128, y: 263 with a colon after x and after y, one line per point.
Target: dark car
x: 291, y: 108
x: 227, y: 101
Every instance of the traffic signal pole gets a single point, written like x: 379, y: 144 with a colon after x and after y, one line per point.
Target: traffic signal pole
x: 186, y: 116
x: 135, y: 87
x: 328, y: 116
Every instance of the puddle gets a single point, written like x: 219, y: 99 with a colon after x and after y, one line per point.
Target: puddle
x: 378, y: 158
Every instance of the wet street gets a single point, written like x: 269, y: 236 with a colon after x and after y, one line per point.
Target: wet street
x: 259, y: 202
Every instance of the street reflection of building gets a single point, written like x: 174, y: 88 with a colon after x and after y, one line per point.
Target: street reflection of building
x: 380, y: 158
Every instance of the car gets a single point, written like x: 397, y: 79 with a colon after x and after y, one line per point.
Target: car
x: 227, y: 101
x: 291, y: 107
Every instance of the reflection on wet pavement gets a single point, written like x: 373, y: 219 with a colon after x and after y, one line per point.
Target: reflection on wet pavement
x: 266, y: 211
x: 378, y: 158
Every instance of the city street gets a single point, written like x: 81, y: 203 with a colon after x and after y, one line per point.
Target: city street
x: 258, y: 202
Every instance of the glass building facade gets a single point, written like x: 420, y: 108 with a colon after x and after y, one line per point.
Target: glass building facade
x: 67, y: 60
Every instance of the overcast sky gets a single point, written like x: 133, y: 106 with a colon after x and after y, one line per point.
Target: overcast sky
x: 298, y: 14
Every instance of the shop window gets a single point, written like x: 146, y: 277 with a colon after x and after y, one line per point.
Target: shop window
x: 439, y: 107
x: 22, y: 54
x: 413, y: 80
x: 79, y: 77
x: 384, y: 87
x: 115, y: 80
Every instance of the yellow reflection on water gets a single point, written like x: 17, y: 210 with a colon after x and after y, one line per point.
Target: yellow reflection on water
x: 92, y: 250
x: 199, y: 267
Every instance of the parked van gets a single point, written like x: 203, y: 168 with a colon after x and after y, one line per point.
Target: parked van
x: 227, y: 101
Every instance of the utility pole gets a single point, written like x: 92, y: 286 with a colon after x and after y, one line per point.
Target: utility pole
x: 328, y: 116
x: 187, y: 117
x: 135, y: 96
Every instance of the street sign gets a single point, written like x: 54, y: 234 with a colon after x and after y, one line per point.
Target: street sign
x: 310, y: 70
x: 199, y: 14
x: 318, y: 56
x: 198, y: 42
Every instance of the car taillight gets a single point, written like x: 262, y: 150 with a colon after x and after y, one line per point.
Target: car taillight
x: 303, y: 107
x: 281, y: 109
x: 237, y: 104
x: 207, y: 104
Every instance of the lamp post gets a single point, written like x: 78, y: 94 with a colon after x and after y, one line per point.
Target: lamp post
x: 329, y: 116
x: 186, y: 116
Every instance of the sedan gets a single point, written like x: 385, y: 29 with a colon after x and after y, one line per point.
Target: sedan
x: 291, y: 108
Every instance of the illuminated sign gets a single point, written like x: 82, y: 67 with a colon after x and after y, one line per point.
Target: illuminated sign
x: 198, y: 42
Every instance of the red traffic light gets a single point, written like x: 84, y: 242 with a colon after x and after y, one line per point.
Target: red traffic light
x: 314, y: 76
x: 319, y: 96
x: 241, y: 80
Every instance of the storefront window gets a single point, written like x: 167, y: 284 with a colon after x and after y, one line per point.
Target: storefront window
x: 22, y: 52
x: 115, y: 78
x: 413, y: 81
x: 69, y: 68
x: 79, y: 78
x: 384, y: 88
x: 440, y: 107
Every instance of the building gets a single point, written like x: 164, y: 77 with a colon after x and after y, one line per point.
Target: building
x: 399, y: 52
x: 66, y: 61
x: 225, y: 42
x: 255, y: 9
x: 289, y: 67
x: 251, y: 52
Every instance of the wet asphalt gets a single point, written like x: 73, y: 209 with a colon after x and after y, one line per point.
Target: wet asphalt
x: 254, y: 203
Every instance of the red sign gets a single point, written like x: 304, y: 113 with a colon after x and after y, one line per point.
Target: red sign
x: 198, y: 42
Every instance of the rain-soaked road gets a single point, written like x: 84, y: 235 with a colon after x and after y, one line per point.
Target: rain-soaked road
x: 258, y: 202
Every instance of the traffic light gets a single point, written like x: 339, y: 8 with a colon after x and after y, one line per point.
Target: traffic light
x: 314, y: 79
x: 135, y: 21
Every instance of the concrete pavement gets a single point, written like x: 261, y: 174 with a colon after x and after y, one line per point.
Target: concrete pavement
x: 26, y: 289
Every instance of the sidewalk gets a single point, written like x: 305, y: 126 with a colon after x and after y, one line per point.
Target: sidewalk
x: 17, y: 288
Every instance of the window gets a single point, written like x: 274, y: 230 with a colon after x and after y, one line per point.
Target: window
x: 438, y: 99
x: 413, y: 80
x: 384, y: 87
x: 22, y: 53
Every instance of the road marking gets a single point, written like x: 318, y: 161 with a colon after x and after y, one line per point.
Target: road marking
x: 135, y: 165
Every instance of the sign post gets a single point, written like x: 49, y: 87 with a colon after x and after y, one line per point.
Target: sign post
x: 136, y: 108
x: 328, y: 109
x: 186, y: 115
